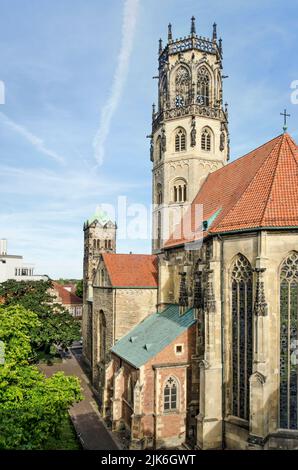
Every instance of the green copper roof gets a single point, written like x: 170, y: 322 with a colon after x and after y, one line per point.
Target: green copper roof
x: 152, y: 335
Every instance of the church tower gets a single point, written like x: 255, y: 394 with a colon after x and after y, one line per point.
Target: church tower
x: 190, y: 135
x: 99, y: 237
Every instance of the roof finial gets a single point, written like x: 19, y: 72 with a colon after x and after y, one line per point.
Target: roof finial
x: 160, y: 46
x: 193, y: 25
x: 285, y: 115
x: 170, y: 37
x: 153, y: 110
x: 214, y: 31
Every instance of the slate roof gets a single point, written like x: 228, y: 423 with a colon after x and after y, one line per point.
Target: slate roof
x: 128, y: 270
x: 152, y: 335
x: 258, y: 190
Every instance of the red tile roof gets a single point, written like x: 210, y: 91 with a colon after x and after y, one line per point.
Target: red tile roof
x: 66, y: 297
x: 257, y: 190
x: 131, y: 270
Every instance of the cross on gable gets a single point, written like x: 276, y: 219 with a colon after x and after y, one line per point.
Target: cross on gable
x: 285, y: 115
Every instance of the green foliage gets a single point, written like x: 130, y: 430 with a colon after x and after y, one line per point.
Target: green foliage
x: 79, y: 289
x: 56, y: 327
x: 66, y: 439
x: 32, y: 407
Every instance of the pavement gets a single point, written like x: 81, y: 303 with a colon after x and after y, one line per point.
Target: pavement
x: 88, y: 423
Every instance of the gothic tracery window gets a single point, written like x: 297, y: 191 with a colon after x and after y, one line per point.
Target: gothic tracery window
x: 242, y: 302
x: 206, y: 140
x: 180, y: 140
x: 130, y: 391
x: 182, y: 87
x: 203, y: 87
x: 288, y: 418
x: 102, y: 335
x: 170, y: 395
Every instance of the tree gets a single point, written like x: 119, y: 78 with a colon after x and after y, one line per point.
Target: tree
x: 57, y: 328
x: 32, y: 406
x: 79, y: 288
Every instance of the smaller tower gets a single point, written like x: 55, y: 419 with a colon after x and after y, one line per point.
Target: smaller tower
x: 99, y: 237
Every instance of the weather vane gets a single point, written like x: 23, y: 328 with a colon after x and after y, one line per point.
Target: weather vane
x: 285, y: 115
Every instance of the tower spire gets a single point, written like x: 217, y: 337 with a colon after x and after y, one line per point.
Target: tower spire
x: 193, y: 25
x: 160, y: 46
x: 214, y: 37
x: 170, y: 36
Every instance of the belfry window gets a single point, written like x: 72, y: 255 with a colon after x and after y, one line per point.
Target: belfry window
x: 288, y: 405
x: 242, y: 301
x: 203, y: 87
x: 170, y: 395
x: 180, y: 191
x: 182, y: 87
x: 206, y: 140
x: 180, y: 140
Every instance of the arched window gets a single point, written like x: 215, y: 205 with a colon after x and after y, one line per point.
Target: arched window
x: 242, y: 301
x: 94, y: 244
x: 182, y: 87
x: 180, y: 140
x: 130, y: 391
x: 159, y: 194
x: 203, y: 87
x: 158, y: 148
x: 163, y: 93
x: 159, y: 229
x: 170, y: 395
x: 288, y: 418
x: 102, y: 336
x: 206, y: 140
x: 180, y: 190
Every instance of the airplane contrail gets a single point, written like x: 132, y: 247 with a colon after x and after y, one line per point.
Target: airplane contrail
x: 130, y: 12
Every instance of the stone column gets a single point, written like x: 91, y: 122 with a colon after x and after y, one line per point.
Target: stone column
x: 259, y: 384
x: 209, y: 420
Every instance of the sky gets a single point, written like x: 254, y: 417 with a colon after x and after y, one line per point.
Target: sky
x: 78, y: 97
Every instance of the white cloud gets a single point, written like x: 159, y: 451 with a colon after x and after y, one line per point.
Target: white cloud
x: 35, y: 141
x: 128, y: 31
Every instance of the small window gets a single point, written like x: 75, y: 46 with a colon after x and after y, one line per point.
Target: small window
x: 206, y: 140
x: 180, y: 140
x: 180, y: 191
x: 179, y: 348
x: 170, y: 395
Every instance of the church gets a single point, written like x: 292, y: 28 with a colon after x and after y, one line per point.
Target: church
x: 196, y: 345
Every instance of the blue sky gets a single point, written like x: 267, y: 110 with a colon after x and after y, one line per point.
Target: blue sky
x: 58, y: 61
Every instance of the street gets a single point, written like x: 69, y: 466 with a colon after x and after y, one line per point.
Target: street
x: 85, y: 416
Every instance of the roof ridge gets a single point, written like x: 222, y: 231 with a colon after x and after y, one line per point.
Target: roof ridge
x: 292, y: 142
x: 274, y: 175
x: 253, y: 177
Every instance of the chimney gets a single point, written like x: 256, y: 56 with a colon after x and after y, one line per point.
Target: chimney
x: 3, y: 246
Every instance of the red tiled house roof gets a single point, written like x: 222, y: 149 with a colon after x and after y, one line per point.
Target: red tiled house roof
x: 257, y: 190
x: 66, y: 297
x: 131, y: 270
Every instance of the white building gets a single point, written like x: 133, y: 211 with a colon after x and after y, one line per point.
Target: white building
x: 13, y: 267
